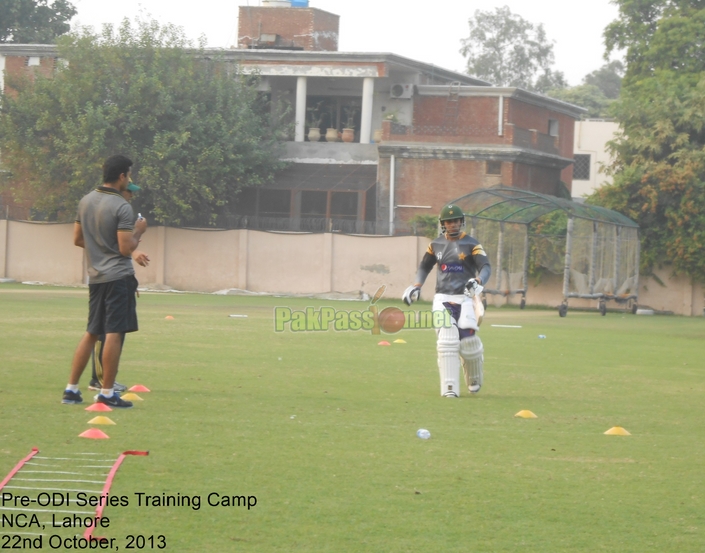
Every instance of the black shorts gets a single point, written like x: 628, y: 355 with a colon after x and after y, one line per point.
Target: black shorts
x: 112, y: 306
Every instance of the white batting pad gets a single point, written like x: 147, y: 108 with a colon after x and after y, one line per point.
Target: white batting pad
x: 471, y: 350
x: 448, y: 346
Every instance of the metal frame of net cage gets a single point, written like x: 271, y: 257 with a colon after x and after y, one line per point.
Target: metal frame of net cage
x: 598, y: 255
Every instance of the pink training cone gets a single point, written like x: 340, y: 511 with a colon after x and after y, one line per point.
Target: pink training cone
x: 384, y: 343
x: 94, y: 434
x: 139, y: 388
x: 98, y: 407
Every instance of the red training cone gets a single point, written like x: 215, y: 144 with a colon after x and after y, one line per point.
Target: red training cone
x: 94, y: 434
x: 384, y: 343
x: 98, y: 407
x: 139, y: 388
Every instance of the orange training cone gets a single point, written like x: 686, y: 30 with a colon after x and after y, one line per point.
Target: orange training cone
x: 169, y: 318
x: 98, y: 407
x: 94, y: 434
x: 139, y: 388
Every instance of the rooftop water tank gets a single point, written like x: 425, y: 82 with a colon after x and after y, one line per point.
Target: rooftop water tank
x: 299, y: 3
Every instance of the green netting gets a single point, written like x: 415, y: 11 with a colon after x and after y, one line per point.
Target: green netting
x: 502, y: 203
x: 548, y: 252
x: 596, y: 249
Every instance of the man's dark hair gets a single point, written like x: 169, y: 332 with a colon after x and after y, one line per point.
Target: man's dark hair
x: 115, y: 166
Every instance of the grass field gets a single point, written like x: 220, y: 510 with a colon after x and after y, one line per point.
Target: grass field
x: 320, y: 428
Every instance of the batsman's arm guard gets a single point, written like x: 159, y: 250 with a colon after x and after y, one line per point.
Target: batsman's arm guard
x: 411, y: 294
x: 485, y: 273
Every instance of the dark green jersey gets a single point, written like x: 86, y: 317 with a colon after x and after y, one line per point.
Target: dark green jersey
x: 458, y: 261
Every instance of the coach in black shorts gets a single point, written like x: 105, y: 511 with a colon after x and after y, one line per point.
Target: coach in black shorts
x: 105, y: 229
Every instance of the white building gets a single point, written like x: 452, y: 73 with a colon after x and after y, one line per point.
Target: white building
x: 590, y: 154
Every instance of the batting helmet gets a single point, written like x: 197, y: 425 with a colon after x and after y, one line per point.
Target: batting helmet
x: 450, y: 213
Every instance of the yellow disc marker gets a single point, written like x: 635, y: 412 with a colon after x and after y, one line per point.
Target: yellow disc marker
x: 617, y: 431
x: 131, y: 397
x: 100, y: 420
x: 400, y: 341
x: 526, y: 415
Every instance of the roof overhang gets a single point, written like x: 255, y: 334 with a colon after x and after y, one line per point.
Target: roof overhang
x: 349, y: 64
x: 435, y: 150
x: 324, y: 177
x: 506, y: 92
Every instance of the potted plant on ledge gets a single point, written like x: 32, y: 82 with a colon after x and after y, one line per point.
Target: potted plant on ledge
x: 313, y: 120
x: 349, y: 129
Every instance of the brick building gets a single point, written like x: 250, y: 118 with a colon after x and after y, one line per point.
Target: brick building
x: 421, y: 135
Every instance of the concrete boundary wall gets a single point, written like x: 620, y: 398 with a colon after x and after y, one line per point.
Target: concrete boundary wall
x: 284, y: 263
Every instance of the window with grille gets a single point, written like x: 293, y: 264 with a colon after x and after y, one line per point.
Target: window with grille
x: 581, y: 167
x: 274, y: 203
x: 494, y: 168
x: 553, y: 127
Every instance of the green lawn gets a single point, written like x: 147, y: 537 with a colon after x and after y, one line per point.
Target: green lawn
x: 320, y: 428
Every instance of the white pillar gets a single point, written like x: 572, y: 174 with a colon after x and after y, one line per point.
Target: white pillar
x: 300, y: 109
x: 2, y: 73
x: 500, y: 116
x: 392, y: 179
x: 368, y: 88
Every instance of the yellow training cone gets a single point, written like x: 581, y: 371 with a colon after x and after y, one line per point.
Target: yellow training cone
x: 617, y: 431
x: 400, y: 341
x: 526, y: 415
x: 100, y: 420
x: 131, y: 397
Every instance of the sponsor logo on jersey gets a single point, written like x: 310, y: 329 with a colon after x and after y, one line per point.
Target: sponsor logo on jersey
x: 452, y: 268
x: 439, y: 256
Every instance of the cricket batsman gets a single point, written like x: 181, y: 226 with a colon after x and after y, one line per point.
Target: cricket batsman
x: 462, y: 269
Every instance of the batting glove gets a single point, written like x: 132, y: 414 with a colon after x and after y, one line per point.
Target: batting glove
x: 472, y: 288
x: 411, y: 294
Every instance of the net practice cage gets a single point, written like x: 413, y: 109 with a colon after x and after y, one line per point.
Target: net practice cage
x: 594, y: 248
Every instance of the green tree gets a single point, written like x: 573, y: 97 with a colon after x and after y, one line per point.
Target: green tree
x: 607, y: 78
x: 659, y: 167
x: 195, y: 127
x: 34, y: 21
x: 506, y: 50
x: 585, y: 95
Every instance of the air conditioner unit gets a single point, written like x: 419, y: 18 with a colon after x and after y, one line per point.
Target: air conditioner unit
x: 402, y: 91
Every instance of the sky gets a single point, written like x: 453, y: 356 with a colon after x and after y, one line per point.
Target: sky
x: 428, y: 31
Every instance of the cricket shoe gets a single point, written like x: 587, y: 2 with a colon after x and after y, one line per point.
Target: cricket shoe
x: 97, y: 387
x: 71, y: 397
x: 474, y: 387
x: 113, y: 401
x: 450, y: 394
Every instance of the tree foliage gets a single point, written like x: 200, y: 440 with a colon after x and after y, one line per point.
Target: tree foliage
x: 195, y: 127
x: 34, y: 21
x: 659, y: 167
x: 597, y: 92
x: 607, y: 78
x: 659, y: 35
x: 506, y: 50
x: 585, y: 95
